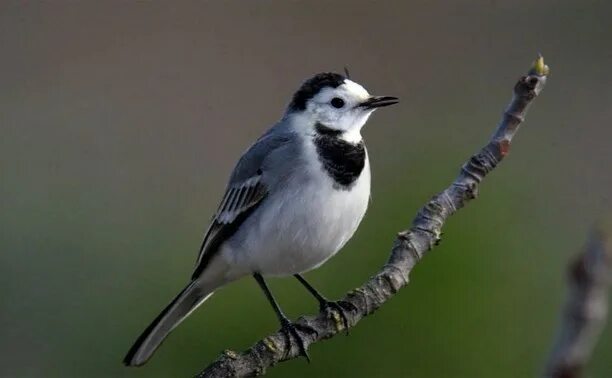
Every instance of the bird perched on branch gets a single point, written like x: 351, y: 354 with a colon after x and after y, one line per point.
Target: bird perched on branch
x: 294, y: 199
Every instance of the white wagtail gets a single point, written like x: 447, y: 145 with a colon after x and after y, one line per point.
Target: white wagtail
x: 294, y: 199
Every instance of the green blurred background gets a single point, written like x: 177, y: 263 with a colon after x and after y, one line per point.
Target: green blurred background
x: 120, y: 122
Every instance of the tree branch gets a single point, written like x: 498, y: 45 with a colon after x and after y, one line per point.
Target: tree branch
x: 408, y: 249
x: 586, y: 308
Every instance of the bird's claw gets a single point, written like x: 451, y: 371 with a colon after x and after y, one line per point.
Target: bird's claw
x: 293, y: 330
x: 340, y: 307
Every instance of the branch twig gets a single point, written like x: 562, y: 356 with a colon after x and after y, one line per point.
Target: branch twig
x: 408, y: 249
x: 586, y: 308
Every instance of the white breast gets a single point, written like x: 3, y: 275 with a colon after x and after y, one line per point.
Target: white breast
x: 301, y: 225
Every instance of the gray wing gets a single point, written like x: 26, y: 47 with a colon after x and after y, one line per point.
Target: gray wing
x: 246, y: 190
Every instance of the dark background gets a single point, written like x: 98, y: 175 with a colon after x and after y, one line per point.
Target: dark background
x: 120, y: 122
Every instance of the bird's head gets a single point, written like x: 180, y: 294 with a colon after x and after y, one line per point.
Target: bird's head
x: 336, y: 103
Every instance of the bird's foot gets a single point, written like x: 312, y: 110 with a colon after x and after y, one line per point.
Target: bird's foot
x: 338, y: 310
x: 292, y: 330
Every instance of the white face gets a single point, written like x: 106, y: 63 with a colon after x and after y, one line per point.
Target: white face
x: 338, y: 108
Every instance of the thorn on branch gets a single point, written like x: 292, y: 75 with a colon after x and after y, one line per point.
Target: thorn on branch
x: 504, y: 147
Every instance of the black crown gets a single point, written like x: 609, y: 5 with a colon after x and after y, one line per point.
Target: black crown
x: 312, y: 86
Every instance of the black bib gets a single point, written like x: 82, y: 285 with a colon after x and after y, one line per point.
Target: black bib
x: 343, y: 161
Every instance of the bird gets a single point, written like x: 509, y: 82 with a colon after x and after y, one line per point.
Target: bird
x: 293, y: 200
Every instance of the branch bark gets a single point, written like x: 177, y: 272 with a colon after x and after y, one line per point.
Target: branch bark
x: 408, y: 249
x: 586, y: 308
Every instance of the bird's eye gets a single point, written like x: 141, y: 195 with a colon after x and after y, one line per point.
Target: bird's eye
x: 337, y: 102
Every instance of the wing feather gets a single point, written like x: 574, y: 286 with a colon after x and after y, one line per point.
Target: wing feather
x: 244, y: 194
x: 235, y: 208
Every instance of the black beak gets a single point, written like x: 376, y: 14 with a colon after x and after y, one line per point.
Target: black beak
x: 378, y: 102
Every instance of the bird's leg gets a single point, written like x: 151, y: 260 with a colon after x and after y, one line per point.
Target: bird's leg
x: 326, y: 305
x: 288, y: 328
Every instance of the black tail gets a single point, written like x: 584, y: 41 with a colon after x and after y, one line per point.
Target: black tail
x: 187, y: 300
